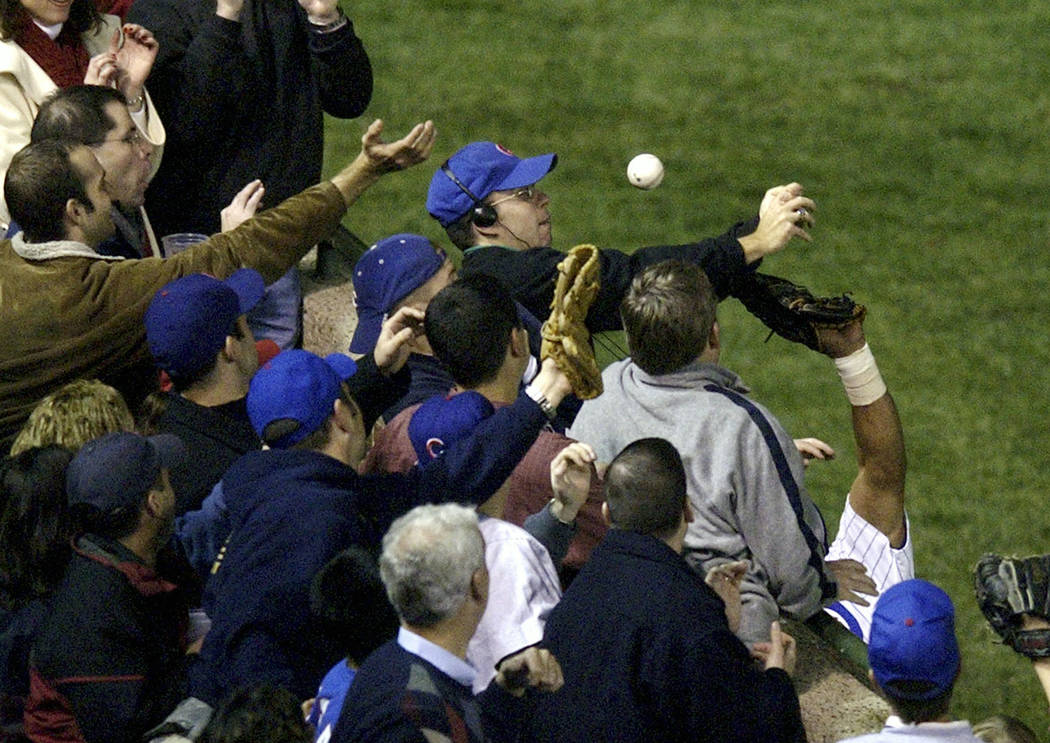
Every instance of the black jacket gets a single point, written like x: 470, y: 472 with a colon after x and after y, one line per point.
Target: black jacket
x: 214, y: 439
x: 648, y: 657
x: 243, y: 100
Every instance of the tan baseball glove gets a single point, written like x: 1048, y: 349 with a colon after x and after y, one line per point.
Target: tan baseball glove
x: 565, y: 335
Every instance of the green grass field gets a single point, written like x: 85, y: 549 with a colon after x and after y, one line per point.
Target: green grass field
x: 919, y: 127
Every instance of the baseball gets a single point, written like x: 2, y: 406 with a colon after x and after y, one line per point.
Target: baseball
x: 645, y: 171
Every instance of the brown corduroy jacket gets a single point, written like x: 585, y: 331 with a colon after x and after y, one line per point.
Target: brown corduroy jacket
x: 66, y: 314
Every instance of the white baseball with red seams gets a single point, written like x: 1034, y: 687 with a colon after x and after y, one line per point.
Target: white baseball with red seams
x: 645, y: 171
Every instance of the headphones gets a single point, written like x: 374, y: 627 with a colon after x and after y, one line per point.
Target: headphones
x: 481, y: 214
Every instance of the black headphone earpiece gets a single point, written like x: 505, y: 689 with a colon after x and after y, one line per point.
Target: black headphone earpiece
x: 481, y: 214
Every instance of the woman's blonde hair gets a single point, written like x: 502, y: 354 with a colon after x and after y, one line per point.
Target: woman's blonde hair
x: 74, y: 415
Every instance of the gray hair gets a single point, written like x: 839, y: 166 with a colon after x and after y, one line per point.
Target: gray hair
x: 429, y: 557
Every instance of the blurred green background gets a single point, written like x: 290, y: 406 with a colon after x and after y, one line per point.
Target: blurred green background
x: 921, y: 130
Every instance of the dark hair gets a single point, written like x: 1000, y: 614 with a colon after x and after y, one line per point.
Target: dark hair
x: 645, y: 488
x: 76, y: 115
x: 468, y: 324
x: 115, y: 524
x: 461, y: 232
x: 34, y: 524
x: 40, y: 180
x: 912, y: 711
x: 83, y: 16
x: 258, y: 714
x: 349, y: 601
x: 668, y: 314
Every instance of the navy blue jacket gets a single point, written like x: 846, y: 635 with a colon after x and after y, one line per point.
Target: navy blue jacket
x: 396, y: 695
x: 109, y: 662
x: 291, y: 512
x: 648, y: 657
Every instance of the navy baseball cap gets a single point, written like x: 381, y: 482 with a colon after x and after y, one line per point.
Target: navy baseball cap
x: 299, y: 386
x: 483, y: 167
x: 913, y: 639
x: 189, y: 318
x: 441, y: 421
x: 388, y: 272
x: 118, y: 469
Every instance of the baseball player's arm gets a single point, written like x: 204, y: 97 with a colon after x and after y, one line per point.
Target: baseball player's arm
x: 877, y: 493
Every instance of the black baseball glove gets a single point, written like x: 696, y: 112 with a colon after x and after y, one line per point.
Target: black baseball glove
x: 1008, y: 587
x: 791, y: 311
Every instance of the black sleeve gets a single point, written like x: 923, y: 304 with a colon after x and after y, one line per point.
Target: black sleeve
x: 532, y: 274
x: 197, y: 78
x: 721, y: 257
x: 342, y: 71
x: 751, y: 705
x: 551, y: 533
x: 373, y: 391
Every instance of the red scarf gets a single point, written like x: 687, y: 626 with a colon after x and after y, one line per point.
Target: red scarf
x: 65, y: 60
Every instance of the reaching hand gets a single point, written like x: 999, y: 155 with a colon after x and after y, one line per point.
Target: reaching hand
x: 243, y: 206
x: 412, y: 149
x: 852, y: 579
x: 393, y: 347
x: 725, y: 580
x: 811, y: 449
x: 571, y: 479
x: 779, y: 652
x: 134, y: 58
x: 783, y: 214
x: 534, y: 668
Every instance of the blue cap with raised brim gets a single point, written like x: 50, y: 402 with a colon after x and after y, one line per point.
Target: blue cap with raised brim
x: 483, y: 167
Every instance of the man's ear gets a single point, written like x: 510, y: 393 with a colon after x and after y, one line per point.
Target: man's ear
x: 343, y: 414
x: 715, y: 339
x: 687, y: 511
x: 489, y: 232
x: 155, y: 502
x: 229, y: 348
x: 477, y: 586
x: 519, y: 342
x: 74, y: 211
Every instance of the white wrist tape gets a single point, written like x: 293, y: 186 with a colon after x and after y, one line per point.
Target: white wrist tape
x: 860, y: 376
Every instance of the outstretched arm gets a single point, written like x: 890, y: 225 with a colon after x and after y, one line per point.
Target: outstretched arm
x: 877, y: 493
x: 378, y: 157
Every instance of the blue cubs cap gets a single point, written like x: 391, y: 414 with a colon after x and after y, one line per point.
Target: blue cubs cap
x: 189, y: 318
x: 441, y: 421
x: 913, y: 639
x: 118, y: 469
x: 483, y: 167
x: 297, y: 386
x: 388, y: 272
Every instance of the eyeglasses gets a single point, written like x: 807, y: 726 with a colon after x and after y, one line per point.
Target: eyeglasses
x: 525, y: 194
x: 133, y: 139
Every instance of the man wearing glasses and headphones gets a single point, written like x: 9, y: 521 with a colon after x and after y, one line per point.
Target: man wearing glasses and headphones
x: 488, y: 201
